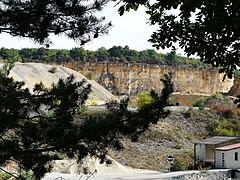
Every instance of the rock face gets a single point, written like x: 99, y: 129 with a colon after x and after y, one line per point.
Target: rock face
x: 32, y: 73
x: 132, y: 79
x: 235, y: 89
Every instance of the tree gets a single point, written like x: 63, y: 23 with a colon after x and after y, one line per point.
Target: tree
x: 78, y: 54
x: 208, y: 29
x: 116, y: 51
x: 10, y: 54
x: 38, y: 19
x: 171, y: 58
x: 101, y: 54
x: 36, y: 126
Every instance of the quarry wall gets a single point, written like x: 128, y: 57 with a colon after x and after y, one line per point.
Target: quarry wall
x: 130, y: 79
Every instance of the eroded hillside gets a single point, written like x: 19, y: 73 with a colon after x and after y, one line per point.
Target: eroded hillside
x: 32, y: 73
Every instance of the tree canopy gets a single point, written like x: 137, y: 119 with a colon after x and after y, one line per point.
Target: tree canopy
x: 115, y: 54
x: 34, y: 19
x: 208, y: 29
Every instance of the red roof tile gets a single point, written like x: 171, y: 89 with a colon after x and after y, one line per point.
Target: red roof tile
x: 228, y: 147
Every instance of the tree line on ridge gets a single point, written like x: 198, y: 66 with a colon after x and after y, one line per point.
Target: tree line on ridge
x: 115, y: 54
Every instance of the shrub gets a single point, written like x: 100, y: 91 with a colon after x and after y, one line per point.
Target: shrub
x: 201, y: 103
x: 189, y: 113
x: 183, y: 161
x: 144, y: 98
x: 218, y: 96
x: 236, y: 73
x: 224, y: 127
x: 53, y: 70
x: 89, y: 76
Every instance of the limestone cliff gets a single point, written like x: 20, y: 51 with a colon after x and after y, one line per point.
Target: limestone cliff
x: 131, y: 79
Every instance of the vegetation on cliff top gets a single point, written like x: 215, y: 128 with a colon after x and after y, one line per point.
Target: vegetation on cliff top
x: 116, y: 54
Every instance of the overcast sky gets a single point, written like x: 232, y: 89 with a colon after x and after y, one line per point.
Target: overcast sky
x: 130, y: 29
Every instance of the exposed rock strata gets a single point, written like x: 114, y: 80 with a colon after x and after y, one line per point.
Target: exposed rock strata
x: 131, y: 79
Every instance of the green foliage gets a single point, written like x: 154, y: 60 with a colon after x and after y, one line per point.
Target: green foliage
x: 144, y: 98
x: 218, y: 96
x: 101, y: 54
x: 82, y: 109
x: 89, y: 76
x: 236, y: 73
x: 225, y: 127
x: 38, y: 19
x: 7, y: 66
x: 171, y: 58
x: 179, y: 144
x: 27, y: 175
x: 201, y: 103
x: 116, y: 54
x: 78, y: 54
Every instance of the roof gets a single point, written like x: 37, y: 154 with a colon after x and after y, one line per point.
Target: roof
x: 217, y: 140
x: 228, y: 147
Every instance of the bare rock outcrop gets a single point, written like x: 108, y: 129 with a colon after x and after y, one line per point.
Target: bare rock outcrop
x: 131, y: 79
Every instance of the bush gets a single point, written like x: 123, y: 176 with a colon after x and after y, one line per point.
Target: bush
x: 53, y: 70
x: 224, y: 127
x: 236, y: 73
x: 144, y: 98
x: 227, y: 112
x: 201, y: 103
x: 89, y: 76
x: 189, y: 113
x: 182, y: 162
x: 218, y: 96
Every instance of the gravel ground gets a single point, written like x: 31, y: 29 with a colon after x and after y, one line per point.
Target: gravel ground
x: 137, y: 176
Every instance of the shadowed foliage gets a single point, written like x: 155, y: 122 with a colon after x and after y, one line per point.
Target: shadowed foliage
x: 38, y: 19
x: 208, y: 29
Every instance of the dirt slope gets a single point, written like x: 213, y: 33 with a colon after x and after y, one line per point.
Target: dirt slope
x: 32, y: 73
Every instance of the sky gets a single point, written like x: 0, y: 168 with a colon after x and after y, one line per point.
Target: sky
x: 131, y: 29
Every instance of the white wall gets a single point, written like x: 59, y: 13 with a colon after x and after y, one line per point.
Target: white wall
x: 230, y: 161
x: 200, y: 152
x: 205, y: 152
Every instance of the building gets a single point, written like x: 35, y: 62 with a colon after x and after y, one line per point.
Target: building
x: 228, y: 156
x: 204, y: 151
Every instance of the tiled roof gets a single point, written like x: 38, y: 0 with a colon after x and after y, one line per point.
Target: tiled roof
x: 217, y: 140
x: 228, y: 147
